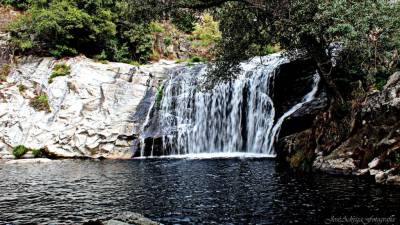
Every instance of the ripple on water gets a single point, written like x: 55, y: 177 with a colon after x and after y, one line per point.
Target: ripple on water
x: 221, y: 191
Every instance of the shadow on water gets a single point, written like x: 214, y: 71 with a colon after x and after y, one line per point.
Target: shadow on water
x: 182, y: 191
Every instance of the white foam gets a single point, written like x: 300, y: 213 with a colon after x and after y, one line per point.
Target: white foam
x: 218, y: 155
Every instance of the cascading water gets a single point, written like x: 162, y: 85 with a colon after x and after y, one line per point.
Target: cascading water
x: 233, y: 117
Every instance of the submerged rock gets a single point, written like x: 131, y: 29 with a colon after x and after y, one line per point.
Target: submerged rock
x: 95, y: 111
x: 126, y: 218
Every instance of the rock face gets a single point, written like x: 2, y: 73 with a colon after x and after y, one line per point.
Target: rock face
x: 95, y: 111
x: 358, y: 137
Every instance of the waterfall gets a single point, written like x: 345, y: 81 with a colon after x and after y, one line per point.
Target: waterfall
x: 234, y: 117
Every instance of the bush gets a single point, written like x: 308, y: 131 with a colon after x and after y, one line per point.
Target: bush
x: 196, y: 59
x: 40, y: 103
x: 167, y: 41
x: 206, y: 32
x: 20, y: 151
x: 59, y: 70
x: 64, y: 28
x: 19, y: 4
x: 4, y: 71
x: 21, y: 88
x: 37, y: 153
x: 184, y: 21
x: 159, y: 96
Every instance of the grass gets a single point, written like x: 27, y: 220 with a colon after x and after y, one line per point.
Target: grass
x: 40, y: 103
x: 60, y: 70
x: 20, y: 151
x: 134, y: 63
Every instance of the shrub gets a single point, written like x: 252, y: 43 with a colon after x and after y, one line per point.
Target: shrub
x: 4, y: 71
x: 206, y: 32
x: 167, y: 41
x: 20, y: 151
x: 19, y: 4
x: 59, y: 70
x: 21, y: 88
x: 37, y: 153
x: 156, y: 27
x: 64, y: 28
x: 196, y: 59
x: 184, y: 21
x: 40, y: 103
x: 159, y: 96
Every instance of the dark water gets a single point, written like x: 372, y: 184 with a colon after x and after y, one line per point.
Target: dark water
x: 230, y: 191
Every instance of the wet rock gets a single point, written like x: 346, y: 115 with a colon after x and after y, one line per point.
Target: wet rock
x: 380, y: 177
x: 131, y: 218
x: 335, y: 166
x: 374, y: 163
x: 92, y: 110
x: 393, y: 180
x: 115, y: 222
x: 359, y: 136
x: 362, y: 172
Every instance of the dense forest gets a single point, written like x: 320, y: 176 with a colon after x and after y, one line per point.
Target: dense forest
x: 122, y: 30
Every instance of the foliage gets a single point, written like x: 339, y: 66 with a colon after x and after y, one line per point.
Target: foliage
x: 184, y: 20
x: 40, y: 103
x: 159, y: 96
x: 21, y: 88
x: 4, y: 71
x: 167, y: 41
x: 18, y: 4
x: 367, y: 32
x: 20, y: 151
x: 397, y: 157
x: 60, y: 69
x: 37, y: 153
x: 206, y: 31
x: 65, y: 27
x: 196, y: 59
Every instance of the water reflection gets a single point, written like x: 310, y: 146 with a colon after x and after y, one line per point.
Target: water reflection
x: 230, y: 191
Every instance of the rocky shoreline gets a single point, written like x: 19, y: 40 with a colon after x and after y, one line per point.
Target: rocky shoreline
x: 363, y: 140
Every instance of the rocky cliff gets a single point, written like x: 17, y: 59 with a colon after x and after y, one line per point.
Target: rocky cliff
x: 360, y: 136
x: 95, y: 111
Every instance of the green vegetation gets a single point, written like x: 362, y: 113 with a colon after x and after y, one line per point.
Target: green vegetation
x: 206, y: 32
x: 92, y: 27
x: 21, y: 88
x: 196, y: 59
x: 159, y: 96
x: 125, y: 31
x: 59, y: 70
x: 397, y: 157
x: 18, y: 4
x: 367, y: 32
x: 167, y: 41
x: 20, y: 151
x: 37, y: 153
x: 4, y: 71
x: 40, y: 103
